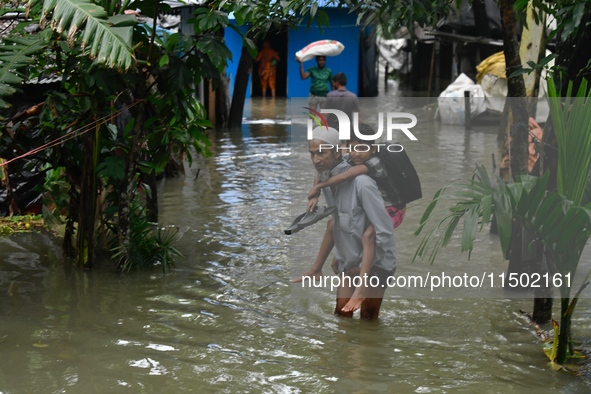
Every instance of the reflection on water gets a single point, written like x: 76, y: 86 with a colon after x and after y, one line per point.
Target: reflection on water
x: 226, y: 319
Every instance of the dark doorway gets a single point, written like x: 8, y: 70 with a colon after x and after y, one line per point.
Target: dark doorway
x: 278, y: 41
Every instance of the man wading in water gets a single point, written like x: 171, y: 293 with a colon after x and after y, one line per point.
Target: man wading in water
x: 358, y: 204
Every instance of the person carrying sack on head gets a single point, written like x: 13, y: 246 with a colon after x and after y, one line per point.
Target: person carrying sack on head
x: 321, y: 80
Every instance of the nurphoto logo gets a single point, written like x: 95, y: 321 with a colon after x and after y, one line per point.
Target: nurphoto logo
x: 392, y: 123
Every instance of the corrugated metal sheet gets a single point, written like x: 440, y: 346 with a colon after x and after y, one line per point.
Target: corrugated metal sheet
x: 6, y: 26
x: 44, y: 80
x: 184, y: 3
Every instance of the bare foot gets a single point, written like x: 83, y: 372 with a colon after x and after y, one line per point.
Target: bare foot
x: 310, y: 273
x: 356, y: 300
x: 353, y: 305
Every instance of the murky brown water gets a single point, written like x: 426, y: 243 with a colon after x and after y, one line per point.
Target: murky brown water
x: 226, y: 319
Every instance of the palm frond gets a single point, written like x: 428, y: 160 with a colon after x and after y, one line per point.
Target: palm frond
x: 16, y: 53
x: 476, y: 201
x: 572, y: 124
x: 107, y: 44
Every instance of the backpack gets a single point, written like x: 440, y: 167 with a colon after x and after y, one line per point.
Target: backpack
x: 402, y: 185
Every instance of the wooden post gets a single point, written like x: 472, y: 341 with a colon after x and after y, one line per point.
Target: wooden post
x: 431, y: 70
x: 211, y: 104
x: 467, y: 113
x: 386, y: 77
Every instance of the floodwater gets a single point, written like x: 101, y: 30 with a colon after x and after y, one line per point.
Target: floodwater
x: 227, y: 318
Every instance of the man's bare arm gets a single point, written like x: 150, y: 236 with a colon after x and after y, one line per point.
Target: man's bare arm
x: 303, y: 74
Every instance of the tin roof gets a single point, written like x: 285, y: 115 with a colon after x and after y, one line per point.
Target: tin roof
x: 183, y: 3
x: 6, y: 26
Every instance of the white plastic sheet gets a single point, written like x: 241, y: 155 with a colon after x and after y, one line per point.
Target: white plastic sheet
x: 451, y: 100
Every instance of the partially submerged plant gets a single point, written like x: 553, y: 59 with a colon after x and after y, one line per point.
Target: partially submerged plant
x: 149, y: 245
x: 556, y: 219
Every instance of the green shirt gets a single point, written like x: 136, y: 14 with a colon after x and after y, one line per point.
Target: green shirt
x: 320, y: 80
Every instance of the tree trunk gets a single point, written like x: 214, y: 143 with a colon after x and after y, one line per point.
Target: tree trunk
x: 152, y: 197
x: 222, y: 100
x: 563, y: 336
x: 518, y: 122
x: 543, y: 295
x: 13, y: 208
x: 73, y: 180
x: 517, y: 144
x: 128, y: 189
x: 542, y: 306
x: 240, y: 85
x: 87, y: 205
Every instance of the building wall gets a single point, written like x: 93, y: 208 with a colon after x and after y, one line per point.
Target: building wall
x: 234, y: 44
x: 342, y: 28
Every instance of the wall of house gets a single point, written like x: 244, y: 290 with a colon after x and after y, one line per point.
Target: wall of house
x: 342, y: 28
x: 234, y: 44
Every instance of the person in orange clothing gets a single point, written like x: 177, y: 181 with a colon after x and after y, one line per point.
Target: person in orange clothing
x: 267, y: 59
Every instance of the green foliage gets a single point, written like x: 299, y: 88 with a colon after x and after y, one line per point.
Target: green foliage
x: 571, y: 120
x: 556, y: 219
x: 568, y: 15
x: 478, y: 199
x: 148, y: 246
x: 184, y: 129
x: 262, y: 16
x: 94, y: 47
x: 107, y: 42
x: 534, y: 66
x: 15, y: 54
x: 112, y: 167
x: 391, y: 15
x: 55, y: 195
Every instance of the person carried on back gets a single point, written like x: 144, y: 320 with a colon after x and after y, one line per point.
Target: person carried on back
x: 358, y: 205
x: 363, y: 160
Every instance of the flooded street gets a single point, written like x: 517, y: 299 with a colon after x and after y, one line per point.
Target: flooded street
x: 227, y: 319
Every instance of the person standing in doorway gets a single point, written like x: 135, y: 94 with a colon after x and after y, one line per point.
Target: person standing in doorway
x: 321, y: 78
x: 267, y: 59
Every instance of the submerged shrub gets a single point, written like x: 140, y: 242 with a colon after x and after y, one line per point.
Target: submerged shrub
x: 149, y: 244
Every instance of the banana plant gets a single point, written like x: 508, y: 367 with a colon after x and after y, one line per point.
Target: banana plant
x: 105, y: 39
x: 92, y: 45
x: 556, y: 219
x: 16, y: 53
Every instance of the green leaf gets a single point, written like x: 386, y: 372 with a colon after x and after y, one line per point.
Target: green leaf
x: 520, y: 5
x: 547, y: 59
x: 521, y: 71
x: 250, y: 46
x: 15, y: 54
x: 164, y: 60
x: 503, y: 213
x: 313, y: 9
x: 103, y: 43
x: 469, y: 230
x: 487, y: 205
x: 113, y: 167
x: 123, y: 20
